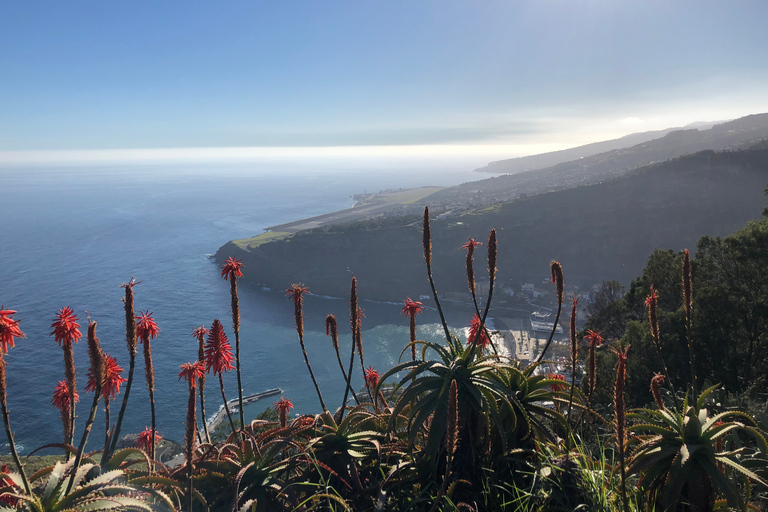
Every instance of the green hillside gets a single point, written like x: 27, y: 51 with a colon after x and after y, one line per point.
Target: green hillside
x: 600, y: 231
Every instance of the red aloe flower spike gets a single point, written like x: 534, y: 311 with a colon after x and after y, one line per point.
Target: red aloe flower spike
x: 96, y: 355
x: 411, y: 309
x: 477, y: 335
x: 190, y: 372
x: 656, y: 382
x: 110, y: 390
x: 332, y: 330
x: 371, y: 377
x: 426, y: 239
x: 62, y: 401
x: 218, y: 356
x: 144, y: 440
x: 470, y: 247
x: 492, y: 253
x: 112, y: 379
x: 61, y: 396
x: 574, y: 350
x: 574, y: 354
x: 652, y: 303
x: 146, y: 327
x: 9, y: 329
x: 557, y: 387
x: 282, y: 407
x: 619, y: 415
x: 557, y: 278
x: 218, y: 351
x: 66, y: 331
x: 687, y: 288
x: 131, y: 341
x: 296, y: 292
x: 232, y: 268
x: 146, y: 330
x: 200, y: 333
x: 594, y: 339
x: 65, y: 327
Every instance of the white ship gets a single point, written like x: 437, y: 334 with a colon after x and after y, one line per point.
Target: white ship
x: 543, y: 322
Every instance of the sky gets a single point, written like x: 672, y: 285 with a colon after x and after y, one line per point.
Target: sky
x: 466, y: 76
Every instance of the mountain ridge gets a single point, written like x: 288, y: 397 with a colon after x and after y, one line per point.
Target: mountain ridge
x: 598, y: 231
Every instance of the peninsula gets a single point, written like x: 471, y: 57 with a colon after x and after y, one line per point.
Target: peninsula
x: 600, y: 220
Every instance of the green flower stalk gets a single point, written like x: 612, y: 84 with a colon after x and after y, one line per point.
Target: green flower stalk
x: 146, y: 329
x: 470, y: 247
x: 218, y: 357
x: 190, y: 372
x: 131, y: 341
x: 411, y: 309
x: 656, y: 382
x: 594, y: 339
x: 296, y: 293
x: 282, y: 407
x: 332, y: 330
x: 200, y: 333
x: 574, y: 352
x: 620, y: 422
x: 652, y: 302
x: 353, y: 323
x: 9, y: 330
x: 426, y: 242
x: 688, y: 305
x: 66, y: 331
x: 557, y: 278
x: 232, y: 270
x: 98, y: 374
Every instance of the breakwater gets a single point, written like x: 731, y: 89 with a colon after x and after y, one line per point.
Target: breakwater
x: 234, y: 406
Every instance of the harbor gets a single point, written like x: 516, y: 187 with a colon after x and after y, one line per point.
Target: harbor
x: 234, y: 406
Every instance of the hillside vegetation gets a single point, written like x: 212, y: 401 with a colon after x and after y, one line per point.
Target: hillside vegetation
x: 602, y: 231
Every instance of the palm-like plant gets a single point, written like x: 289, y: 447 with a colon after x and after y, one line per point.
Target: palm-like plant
x: 531, y: 416
x: 679, y: 457
x: 483, y: 397
x: 89, y: 491
x: 252, y: 472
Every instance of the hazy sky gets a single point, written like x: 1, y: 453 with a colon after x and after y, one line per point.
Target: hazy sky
x: 528, y: 74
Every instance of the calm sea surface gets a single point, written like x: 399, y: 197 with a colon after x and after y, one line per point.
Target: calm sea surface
x: 70, y: 235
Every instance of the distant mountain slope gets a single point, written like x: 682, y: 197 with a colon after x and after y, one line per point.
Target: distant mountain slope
x: 532, y: 162
x: 596, y: 168
x: 601, y: 231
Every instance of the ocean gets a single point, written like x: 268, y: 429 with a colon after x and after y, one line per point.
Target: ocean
x: 71, y: 234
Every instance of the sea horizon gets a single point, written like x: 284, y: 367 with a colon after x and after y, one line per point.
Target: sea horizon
x: 75, y: 234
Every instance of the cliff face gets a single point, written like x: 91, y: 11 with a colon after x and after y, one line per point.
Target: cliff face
x: 598, y: 232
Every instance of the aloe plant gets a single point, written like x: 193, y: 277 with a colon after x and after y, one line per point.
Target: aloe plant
x: 483, y: 396
x: 680, y: 459
x: 89, y: 491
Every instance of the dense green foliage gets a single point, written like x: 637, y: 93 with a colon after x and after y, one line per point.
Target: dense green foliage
x: 730, y: 320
